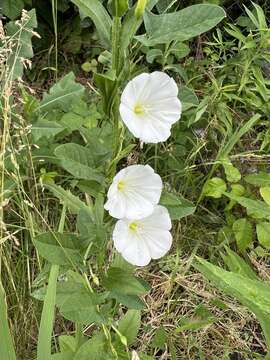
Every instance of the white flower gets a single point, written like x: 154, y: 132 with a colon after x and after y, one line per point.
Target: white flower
x: 149, y: 106
x: 134, y: 192
x: 139, y: 241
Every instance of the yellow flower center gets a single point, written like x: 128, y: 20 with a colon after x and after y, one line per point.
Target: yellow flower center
x: 133, y: 226
x: 138, y: 109
x: 120, y: 185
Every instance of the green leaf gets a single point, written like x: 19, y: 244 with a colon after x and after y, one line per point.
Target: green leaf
x: 152, y: 54
x: 67, y: 343
x: 118, y: 7
x: 232, y: 173
x: 179, y: 50
x: 263, y: 234
x: 7, y: 351
x: 129, y: 325
x: 160, y: 339
x: 76, y: 302
x: 254, y: 207
x: 265, y: 194
x: 254, y: 294
x: 73, y: 203
x: 238, y: 265
x: 47, y: 317
x: 97, y: 12
x: 12, y: 8
x: 45, y: 128
x: 62, y: 94
x: 60, y: 249
x: 120, y: 281
x: 242, y: 229
x: 21, y: 35
x: 181, y: 25
x: 131, y: 24
x: 130, y: 301
x: 78, y: 161
x: 260, y: 179
x: 67, y: 355
x: 96, y: 347
x: 177, y: 206
x: 214, y: 187
x: 188, y: 98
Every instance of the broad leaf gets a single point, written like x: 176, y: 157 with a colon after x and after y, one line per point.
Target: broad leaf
x: 96, y: 11
x: 62, y: 94
x: 12, y: 8
x: 260, y: 179
x: 188, y: 98
x: 177, y: 206
x: 214, y: 187
x: 242, y: 229
x: 76, y: 302
x: 263, y: 233
x: 181, y: 25
x: 47, y: 129
x: 237, y: 264
x: 95, y: 349
x: 78, y: 161
x: 60, y: 249
x: 254, y: 207
x: 265, y: 194
x: 124, y: 283
x: 129, y: 325
x: 254, y: 294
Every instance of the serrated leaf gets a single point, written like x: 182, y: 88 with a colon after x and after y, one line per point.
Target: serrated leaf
x: 62, y: 94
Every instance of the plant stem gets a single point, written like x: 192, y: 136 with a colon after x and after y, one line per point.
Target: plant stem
x: 116, y: 27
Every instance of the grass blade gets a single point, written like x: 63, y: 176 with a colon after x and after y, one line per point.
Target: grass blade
x: 47, y: 317
x: 7, y: 351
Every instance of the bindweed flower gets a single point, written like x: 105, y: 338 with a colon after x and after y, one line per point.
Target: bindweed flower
x: 134, y: 192
x: 149, y: 106
x: 139, y: 241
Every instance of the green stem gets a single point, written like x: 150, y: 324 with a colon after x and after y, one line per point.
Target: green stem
x: 116, y: 28
x: 79, y: 334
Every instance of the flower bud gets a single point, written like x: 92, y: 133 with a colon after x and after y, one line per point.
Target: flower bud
x: 141, y: 4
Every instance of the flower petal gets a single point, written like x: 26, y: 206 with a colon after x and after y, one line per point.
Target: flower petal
x: 140, y: 191
x: 156, y: 95
x: 129, y: 245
